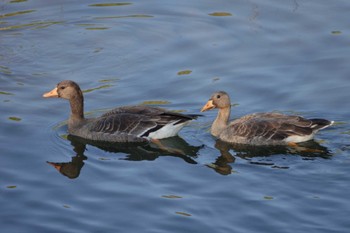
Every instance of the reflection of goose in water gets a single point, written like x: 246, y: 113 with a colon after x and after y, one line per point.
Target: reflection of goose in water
x: 174, y: 146
x: 72, y: 169
x: 307, y: 150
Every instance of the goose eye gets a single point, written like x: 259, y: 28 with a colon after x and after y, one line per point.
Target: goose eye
x: 62, y: 87
x: 218, y: 96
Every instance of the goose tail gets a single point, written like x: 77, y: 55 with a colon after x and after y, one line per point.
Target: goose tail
x: 318, y: 124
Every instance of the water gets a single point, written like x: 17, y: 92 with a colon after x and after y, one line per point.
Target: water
x: 291, y: 56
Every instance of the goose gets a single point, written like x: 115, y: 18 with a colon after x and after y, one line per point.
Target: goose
x: 270, y: 128
x: 123, y: 124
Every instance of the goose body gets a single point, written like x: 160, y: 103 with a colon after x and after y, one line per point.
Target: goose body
x: 123, y: 124
x: 260, y: 128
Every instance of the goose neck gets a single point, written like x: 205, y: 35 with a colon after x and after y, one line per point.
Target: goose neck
x: 221, y: 121
x: 77, y: 107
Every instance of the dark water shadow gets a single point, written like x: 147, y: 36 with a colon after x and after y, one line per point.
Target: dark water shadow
x: 261, y: 155
x: 174, y: 146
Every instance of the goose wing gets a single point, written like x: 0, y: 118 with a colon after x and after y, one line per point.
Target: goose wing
x: 119, y: 121
x: 124, y: 123
x: 152, y: 112
x: 270, y: 126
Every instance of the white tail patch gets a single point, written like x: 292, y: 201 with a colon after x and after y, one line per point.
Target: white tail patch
x: 332, y: 122
x: 297, y: 139
x: 167, y: 131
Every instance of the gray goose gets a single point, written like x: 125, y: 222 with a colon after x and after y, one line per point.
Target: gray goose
x: 260, y: 128
x: 123, y: 124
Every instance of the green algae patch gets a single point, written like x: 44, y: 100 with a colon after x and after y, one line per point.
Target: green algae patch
x: 183, y: 214
x: 111, y: 4
x: 220, y: 14
x: 171, y: 196
x: 97, y: 88
x: 15, y: 118
x: 184, y: 72
x: 155, y: 102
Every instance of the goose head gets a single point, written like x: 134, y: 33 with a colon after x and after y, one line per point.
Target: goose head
x: 66, y: 89
x: 220, y: 100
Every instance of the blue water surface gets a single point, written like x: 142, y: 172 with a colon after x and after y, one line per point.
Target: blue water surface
x: 290, y: 56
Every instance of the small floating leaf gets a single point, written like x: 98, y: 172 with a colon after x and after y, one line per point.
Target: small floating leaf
x: 111, y: 4
x: 40, y: 74
x: 183, y: 214
x: 97, y: 88
x: 171, y: 196
x: 155, y: 102
x: 97, y: 50
x: 104, y: 159
x: 220, y: 14
x: 336, y: 32
x: 280, y: 167
x: 15, y: 119
x: 5, y: 70
x: 36, y: 25
x: 184, y: 72
x: 108, y: 80
x: 97, y: 28
x: 46, y: 24
x: 16, y: 13
x: 11, y: 187
x: 268, y: 198
x: 17, y: 1
x: 85, y: 24
x: 125, y: 16
x: 5, y: 93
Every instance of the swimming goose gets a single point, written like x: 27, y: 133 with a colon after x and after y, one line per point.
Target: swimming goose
x: 260, y: 128
x: 123, y: 124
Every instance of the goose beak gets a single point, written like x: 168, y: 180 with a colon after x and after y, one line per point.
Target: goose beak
x: 209, y: 105
x: 57, y: 166
x: 52, y: 93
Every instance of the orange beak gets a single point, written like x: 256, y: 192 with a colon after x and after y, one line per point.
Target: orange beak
x: 209, y: 105
x: 55, y: 165
x: 52, y: 93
